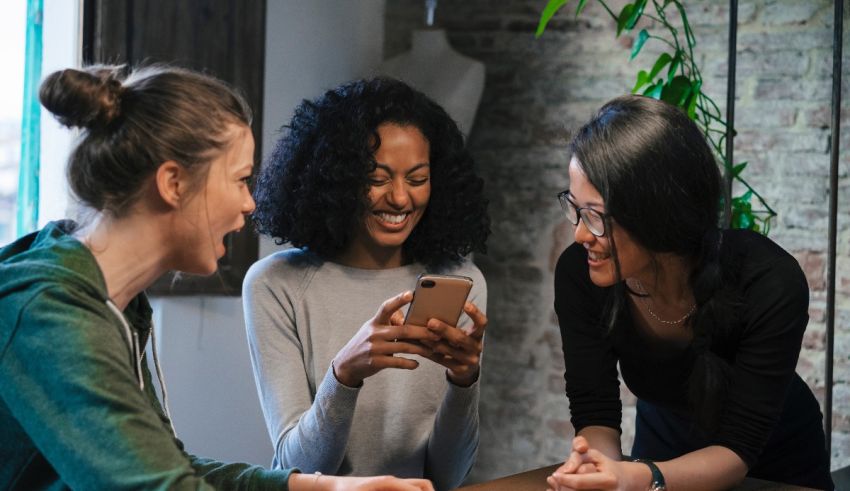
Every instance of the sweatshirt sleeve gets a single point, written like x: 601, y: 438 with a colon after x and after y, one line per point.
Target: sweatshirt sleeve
x: 221, y: 475
x: 308, y: 431
x: 453, y: 444
x: 590, y: 363
x: 776, y: 299
x: 67, y: 378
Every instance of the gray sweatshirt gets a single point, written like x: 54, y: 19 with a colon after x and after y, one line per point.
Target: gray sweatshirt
x: 300, y: 311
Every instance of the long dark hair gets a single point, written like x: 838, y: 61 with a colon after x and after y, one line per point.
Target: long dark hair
x: 661, y: 183
x: 133, y: 121
x: 314, y: 185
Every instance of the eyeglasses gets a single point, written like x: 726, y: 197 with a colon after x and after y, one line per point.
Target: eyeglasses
x: 594, y: 220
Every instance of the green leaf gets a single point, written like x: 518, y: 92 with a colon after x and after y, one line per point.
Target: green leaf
x: 654, y: 90
x: 660, y: 63
x: 677, y: 91
x: 580, y: 7
x: 642, y: 79
x: 745, y: 221
x: 674, y: 67
x: 639, y: 42
x: 692, y: 105
x: 624, y: 17
x: 551, y: 8
x: 736, y: 170
x: 742, y: 212
x: 637, y: 11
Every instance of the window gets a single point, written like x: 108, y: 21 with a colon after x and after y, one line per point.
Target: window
x: 13, y: 24
x: 58, y: 47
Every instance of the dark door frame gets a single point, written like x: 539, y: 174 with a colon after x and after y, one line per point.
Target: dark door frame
x: 224, y: 38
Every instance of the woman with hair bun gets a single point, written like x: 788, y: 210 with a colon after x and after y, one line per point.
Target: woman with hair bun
x: 164, y: 160
x: 705, y: 324
x: 373, y: 185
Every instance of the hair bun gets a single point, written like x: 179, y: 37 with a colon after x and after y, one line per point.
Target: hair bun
x: 85, y: 98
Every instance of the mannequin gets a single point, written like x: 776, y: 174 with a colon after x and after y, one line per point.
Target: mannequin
x: 453, y: 80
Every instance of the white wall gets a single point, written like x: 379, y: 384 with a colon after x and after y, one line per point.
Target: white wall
x: 310, y: 47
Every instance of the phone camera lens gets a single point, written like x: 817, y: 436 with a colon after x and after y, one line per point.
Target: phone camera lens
x: 427, y: 284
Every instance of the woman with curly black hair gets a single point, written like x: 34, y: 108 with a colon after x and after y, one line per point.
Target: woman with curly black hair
x: 372, y: 185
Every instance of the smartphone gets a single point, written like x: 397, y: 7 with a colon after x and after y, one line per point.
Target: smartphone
x: 438, y: 297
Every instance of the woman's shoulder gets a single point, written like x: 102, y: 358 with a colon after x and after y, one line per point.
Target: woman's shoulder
x: 572, y: 280
x: 289, y: 265
x: 754, y: 243
x: 572, y: 263
x: 751, y: 254
x: 465, y: 268
x: 766, y: 275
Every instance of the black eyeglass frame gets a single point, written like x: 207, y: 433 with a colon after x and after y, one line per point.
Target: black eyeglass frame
x: 581, y: 211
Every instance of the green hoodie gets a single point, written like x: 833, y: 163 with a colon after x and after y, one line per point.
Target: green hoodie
x: 72, y: 413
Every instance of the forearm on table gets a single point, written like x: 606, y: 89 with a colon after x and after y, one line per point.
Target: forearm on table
x: 319, y: 439
x: 713, y: 467
x: 312, y: 482
x: 453, y: 443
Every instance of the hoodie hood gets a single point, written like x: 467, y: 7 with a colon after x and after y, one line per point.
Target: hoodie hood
x: 50, y: 255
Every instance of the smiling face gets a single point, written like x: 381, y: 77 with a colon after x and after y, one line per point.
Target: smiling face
x: 399, y: 190
x: 221, y: 205
x: 635, y: 261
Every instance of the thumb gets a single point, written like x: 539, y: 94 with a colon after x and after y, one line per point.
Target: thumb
x: 390, y: 306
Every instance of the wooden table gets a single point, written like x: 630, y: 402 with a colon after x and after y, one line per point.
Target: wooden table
x: 535, y: 480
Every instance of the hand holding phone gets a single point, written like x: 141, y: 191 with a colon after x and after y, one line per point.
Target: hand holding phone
x: 377, y: 343
x: 437, y: 304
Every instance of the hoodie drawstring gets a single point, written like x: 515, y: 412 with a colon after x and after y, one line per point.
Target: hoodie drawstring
x: 136, y: 354
x: 161, y: 380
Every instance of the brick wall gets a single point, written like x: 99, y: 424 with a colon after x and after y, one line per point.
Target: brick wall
x: 538, y: 90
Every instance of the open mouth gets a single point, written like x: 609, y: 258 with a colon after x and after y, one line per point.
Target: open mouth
x: 597, y: 256
x: 391, y: 219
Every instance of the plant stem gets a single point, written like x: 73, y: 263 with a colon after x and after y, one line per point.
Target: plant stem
x: 668, y: 43
x: 605, y: 6
x: 756, y: 194
x: 707, y: 114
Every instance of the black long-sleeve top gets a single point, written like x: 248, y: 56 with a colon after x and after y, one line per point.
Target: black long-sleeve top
x: 761, y: 347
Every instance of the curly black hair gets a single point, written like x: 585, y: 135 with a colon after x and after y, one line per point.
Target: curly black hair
x: 313, y: 187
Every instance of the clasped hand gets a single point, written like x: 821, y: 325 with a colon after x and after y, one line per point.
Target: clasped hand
x: 587, y: 468
x: 374, y: 346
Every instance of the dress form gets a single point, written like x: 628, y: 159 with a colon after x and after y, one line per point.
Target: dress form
x: 451, y: 79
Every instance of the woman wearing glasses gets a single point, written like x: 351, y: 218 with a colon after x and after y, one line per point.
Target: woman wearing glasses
x: 706, y: 324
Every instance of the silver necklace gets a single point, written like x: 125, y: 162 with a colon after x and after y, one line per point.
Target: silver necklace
x: 645, y: 299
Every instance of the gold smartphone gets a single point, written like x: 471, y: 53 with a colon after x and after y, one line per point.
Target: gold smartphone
x: 438, y: 297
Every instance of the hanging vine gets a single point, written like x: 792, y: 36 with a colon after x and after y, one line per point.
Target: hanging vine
x: 675, y: 78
